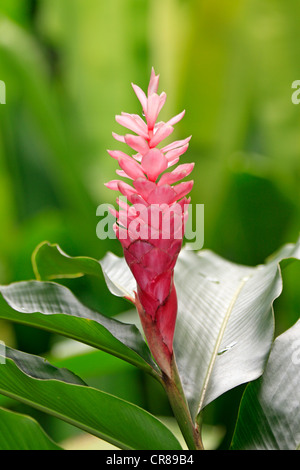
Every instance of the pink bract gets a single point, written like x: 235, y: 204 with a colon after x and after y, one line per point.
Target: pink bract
x: 150, y: 222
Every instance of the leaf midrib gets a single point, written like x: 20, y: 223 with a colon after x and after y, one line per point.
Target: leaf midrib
x: 219, y: 340
x: 65, y: 418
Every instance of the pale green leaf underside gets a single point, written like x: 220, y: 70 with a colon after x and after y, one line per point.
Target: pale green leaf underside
x: 225, y: 326
x: 269, y: 417
x: 53, y: 307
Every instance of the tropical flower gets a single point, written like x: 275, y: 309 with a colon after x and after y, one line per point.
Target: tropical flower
x: 150, y: 221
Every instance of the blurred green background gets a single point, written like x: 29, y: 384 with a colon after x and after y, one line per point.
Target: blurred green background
x: 68, y: 66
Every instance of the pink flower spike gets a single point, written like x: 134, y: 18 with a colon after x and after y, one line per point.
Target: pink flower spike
x: 126, y: 189
x: 113, y: 184
x: 122, y: 204
x: 138, y: 120
x: 176, y: 175
x: 151, y: 227
x: 131, y: 168
x: 154, y: 163
x: 152, y: 110
x: 153, y: 84
x: 119, y: 138
x: 160, y: 135
x: 162, y: 100
x: 138, y: 157
x: 173, y: 162
x: 131, y: 123
x: 116, y: 154
x: 141, y: 96
x: 113, y: 212
x: 137, y: 143
x: 162, y: 195
x: 144, y: 187
x: 176, y: 153
x: 176, y: 118
x: 182, y: 189
x: 176, y: 144
x: 123, y: 174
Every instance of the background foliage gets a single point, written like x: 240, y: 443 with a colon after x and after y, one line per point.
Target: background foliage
x: 68, y: 65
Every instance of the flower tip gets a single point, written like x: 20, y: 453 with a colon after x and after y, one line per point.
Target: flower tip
x: 114, y: 185
x: 112, y: 153
x: 153, y: 72
x: 153, y: 84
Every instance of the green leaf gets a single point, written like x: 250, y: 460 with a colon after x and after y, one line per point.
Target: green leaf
x: 91, y: 363
x: 119, y: 422
x: 39, y: 368
x: 53, y: 307
x: 225, y: 326
x: 226, y: 317
x: 21, y: 432
x: 269, y: 415
x: 50, y: 262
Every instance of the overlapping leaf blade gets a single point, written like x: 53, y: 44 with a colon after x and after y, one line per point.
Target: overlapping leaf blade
x: 110, y: 418
x: 225, y: 324
x: 53, y: 307
x: 51, y: 262
x: 230, y: 310
x: 21, y: 432
x: 269, y: 417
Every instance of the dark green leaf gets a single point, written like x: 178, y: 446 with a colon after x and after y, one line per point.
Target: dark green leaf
x: 119, y: 422
x: 21, y: 432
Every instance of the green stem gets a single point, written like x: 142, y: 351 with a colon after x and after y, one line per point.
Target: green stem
x: 174, y: 390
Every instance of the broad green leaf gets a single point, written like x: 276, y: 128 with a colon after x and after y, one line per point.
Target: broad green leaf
x: 50, y: 262
x: 269, y: 417
x: 21, y: 432
x: 93, y: 363
x: 119, y: 422
x: 53, y: 307
x: 226, y: 318
x: 225, y: 324
x: 37, y: 367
